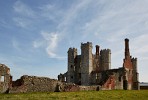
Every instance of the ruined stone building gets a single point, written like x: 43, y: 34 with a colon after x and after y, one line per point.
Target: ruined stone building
x: 95, y: 69
x: 5, y: 78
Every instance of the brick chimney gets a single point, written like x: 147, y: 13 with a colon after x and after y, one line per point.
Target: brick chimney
x: 127, y: 52
x: 97, y: 51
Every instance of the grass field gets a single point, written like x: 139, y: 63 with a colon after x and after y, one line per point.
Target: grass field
x: 83, y: 95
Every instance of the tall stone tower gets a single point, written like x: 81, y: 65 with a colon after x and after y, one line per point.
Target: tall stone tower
x: 135, y: 75
x: 105, y: 59
x: 72, y: 53
x: 86, y: 63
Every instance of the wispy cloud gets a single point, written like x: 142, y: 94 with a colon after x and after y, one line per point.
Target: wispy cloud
x: 23, y: 9
x: 112, y: 22
x: 73, y: 13
x: 25, y: 16
x: 22, y: 22
x: 52, y: 42
x: 51, y: 13
x: 38, y: 43
x: 16, y: 45
x: 140, y: 45
x: 49, y: 42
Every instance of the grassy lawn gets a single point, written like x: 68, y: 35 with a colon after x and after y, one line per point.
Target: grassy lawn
x: 83, y: 95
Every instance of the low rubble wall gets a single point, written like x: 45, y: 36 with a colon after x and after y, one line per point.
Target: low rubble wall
x: 43, y: 84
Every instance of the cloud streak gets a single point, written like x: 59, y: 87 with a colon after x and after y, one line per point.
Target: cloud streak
x: 23, y: 9
x: 51, y: 40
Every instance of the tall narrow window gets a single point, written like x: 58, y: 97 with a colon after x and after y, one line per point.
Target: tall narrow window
x: 71, y: 66
x: 119, y: 79
x: 71, y: 77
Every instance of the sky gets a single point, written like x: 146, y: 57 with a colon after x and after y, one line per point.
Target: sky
x: 35, y: 34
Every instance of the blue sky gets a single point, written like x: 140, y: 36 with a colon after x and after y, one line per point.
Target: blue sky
x: 36, y: 34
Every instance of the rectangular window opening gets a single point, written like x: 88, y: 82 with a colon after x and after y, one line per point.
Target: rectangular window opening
x: 2, y: 79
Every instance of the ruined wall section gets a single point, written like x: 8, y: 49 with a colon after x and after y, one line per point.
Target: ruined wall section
x: 72, y: 53
x: 28, y: 84
x: 78, y: 69
x: 5, y: 78
x: 105, y: 59
x: 96, y: 60
x: 86, y: 63
x: 127, y: 65
x: 62, y: 77
x: 112, y: 79
x: 34, y: 84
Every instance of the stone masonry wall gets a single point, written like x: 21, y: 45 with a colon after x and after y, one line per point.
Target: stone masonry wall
x: 34, y: 84
x: 86, y: 62
x: 43, y: 84
x: 5, y: 78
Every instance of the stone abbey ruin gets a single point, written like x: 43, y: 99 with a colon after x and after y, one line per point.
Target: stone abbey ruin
x: 90, y: 69
x: 85, y: 72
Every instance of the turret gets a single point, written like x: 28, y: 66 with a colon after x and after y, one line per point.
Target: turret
x: 105, y: 59
x: 135, y: 74
x: 72, y: 53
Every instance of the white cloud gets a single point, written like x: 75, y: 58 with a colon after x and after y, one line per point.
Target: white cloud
x: 23, y: 9
x: 51, y: 40
x: 38, y: 43
x: 113, y: 21
x: 25, y: 16
x: 140, y: 44
x: 72, y: 13
x: 51, y: 13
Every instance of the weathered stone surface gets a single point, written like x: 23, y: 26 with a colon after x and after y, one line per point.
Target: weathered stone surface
x: 34, y: 84
x: 5, y: 78
x: 43, y: 84
x: 95, y: 69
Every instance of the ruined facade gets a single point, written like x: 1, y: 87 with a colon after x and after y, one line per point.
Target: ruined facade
x: 5, y: 78
x: 95, y: 69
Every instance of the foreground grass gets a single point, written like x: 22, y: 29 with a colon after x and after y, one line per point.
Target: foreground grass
x: 84, y: 95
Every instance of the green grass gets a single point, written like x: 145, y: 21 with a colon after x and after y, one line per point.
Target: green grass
x: 83, y: 95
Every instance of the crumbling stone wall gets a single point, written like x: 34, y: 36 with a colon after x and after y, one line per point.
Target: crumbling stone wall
x: 34, y: 84
x: 70, y: 87
x: 43, y: 84
x: 131, y: 80
x: 5, y: 78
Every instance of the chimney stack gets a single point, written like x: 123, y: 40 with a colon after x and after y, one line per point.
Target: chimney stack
x: 97, y: 50
x: 127, y: 53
